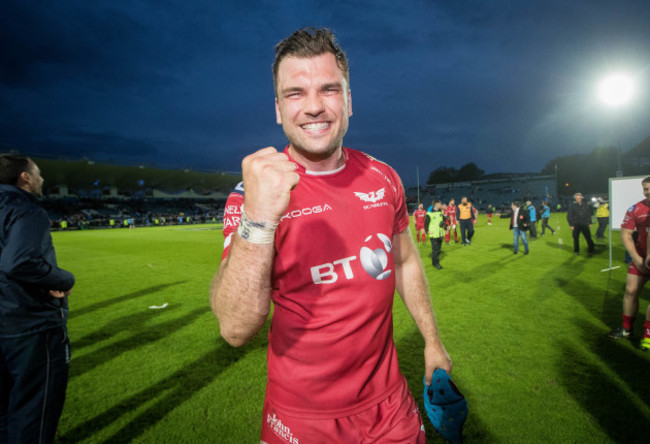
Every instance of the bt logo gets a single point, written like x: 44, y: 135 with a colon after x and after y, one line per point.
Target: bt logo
x: 374, y: 262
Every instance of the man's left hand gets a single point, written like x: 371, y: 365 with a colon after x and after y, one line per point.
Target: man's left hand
x: 435, y: 356
x: 59, y: 294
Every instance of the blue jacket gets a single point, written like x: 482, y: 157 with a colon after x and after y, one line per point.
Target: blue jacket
x: 547, y: 212
x: 532, y: 213
x: 28, y: 268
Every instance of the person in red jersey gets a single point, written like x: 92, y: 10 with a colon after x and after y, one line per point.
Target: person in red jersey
x: 333, y: 374
x: 636, y: 218
x: 418, y: 218
x: 489, y: 211
x: 450, y: 214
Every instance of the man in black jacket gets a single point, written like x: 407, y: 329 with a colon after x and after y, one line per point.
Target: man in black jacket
x: 579, y: 218
x: 34, y: 346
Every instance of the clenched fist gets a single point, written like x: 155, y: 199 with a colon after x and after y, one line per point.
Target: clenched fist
x: 269, y: 177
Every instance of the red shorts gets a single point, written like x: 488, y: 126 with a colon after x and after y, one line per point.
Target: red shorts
x: 396, y: 419
x: 635, y: 271
x: 419, y: 227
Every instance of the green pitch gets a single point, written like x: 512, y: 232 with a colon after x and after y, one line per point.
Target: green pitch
x: 527, y: 335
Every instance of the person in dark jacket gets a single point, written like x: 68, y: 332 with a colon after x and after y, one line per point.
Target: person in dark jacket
x: 519, y: 223
x: 34, y: 345
x: 579, y: 218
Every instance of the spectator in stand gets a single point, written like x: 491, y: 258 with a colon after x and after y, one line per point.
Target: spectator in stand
x: 546, y: 214
x: 418, y: 218
x: 465, y: 215
x: 532, y: 215
x: 489, y: 211
x: 519, y: 223
x: 450, y: 213
x: 602, y: 215
x: 579, y: 218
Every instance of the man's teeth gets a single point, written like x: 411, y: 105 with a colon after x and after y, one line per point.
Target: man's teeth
x: 315, y: 126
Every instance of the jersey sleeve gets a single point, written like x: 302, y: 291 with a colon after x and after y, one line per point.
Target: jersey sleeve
x: 628, y: 220
x: 401, y: 213
x: 231, y: 217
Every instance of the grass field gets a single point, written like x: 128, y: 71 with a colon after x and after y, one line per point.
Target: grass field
x: 527, y: 335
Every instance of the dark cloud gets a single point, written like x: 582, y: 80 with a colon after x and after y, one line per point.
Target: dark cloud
x: 507, y: 85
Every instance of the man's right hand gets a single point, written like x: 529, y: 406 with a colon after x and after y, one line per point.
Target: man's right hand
x: 640, y: 264
x: 60, y: 294
x: 269, y: 177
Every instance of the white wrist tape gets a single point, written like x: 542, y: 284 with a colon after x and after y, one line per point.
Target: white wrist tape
x: 261, y: 233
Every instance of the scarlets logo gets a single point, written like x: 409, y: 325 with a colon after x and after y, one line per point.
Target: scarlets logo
x: 372, y: 196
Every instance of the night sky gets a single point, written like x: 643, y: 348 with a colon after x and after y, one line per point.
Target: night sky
x: 508, y: 85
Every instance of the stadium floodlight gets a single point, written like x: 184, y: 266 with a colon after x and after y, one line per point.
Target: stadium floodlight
x: 616, y: 90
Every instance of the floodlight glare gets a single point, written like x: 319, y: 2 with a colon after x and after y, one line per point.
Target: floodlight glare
x: 616, y: 90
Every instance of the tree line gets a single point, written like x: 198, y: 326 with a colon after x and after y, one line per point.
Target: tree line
x: 587, y: 173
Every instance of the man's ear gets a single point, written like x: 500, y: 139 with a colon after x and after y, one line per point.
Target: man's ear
x: 349, y: 103
x: 24, y: 178
x: 278, y: 116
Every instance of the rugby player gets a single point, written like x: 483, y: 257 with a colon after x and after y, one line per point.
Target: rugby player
x: 418, y: 218
x: 636, y: 218
x: 323, y: 232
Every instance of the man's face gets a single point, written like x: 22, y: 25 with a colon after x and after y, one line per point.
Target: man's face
x: 579, y: 198
x: 436, y: 206
x: 313, y: 105
x: 34, y: 181
x: 451, y: 202
x: 420, y: 207
x: 463, y: 200
x: 646, y: 190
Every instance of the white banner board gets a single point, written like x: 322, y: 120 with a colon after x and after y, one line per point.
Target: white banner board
x: 623, y: 193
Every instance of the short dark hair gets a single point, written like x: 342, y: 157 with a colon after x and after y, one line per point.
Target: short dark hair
x: 516, y: 204
x: 308, y: 43
x: 435, y: 201
x: 646, y: 180
x: 11, y: 166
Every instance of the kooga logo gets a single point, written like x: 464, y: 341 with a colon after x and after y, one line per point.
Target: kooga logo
x: 373, y: 260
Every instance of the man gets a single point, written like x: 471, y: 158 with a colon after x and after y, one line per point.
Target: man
x: 532, y: 215
x: 519, y: 223
x: 489, y: 211
x: 546, y: 214
x: 465, y: 215
x: 34, y: 346
x: 332, y: 368
x: 579, y: 218
x: 435, y: 225
x: 450, y: 214
x: 418, y: 218
x: 636, y: 218
x: 602, y: 216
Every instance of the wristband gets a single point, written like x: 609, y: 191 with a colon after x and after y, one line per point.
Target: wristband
x: 260, y: 233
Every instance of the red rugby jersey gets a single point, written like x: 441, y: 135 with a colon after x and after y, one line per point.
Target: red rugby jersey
x: 450, y: 212
x: 419, y: 215
x: 638, y: 216
x: 331, y: 351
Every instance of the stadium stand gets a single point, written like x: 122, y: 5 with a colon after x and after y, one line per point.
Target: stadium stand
x: 500, y: 192
x: 83, y: 195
